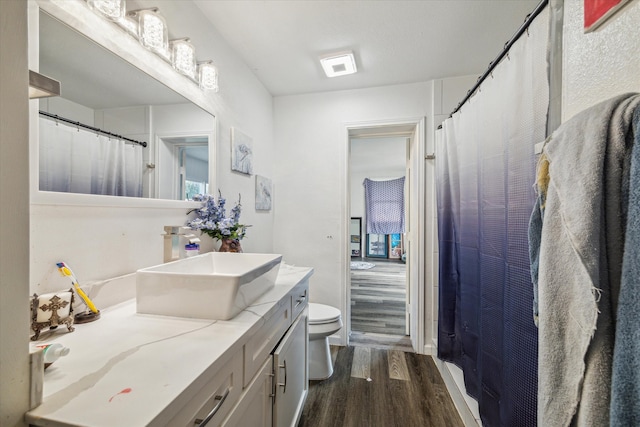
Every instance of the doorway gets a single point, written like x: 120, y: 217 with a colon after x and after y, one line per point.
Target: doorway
x: 182, y: 163
x: 407, y: 249
x: 378, y: 269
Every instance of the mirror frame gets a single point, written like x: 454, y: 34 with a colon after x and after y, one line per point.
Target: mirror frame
x: 107, y: 35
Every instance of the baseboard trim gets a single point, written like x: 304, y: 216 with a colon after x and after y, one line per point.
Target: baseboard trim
x: 459, y: 397
x: 429, y: 350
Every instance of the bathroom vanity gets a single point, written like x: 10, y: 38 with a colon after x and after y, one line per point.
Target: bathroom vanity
x: 132, y: 369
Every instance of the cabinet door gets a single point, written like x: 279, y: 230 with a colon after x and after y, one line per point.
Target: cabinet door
x: 291, y: 381
x: 255, y: 406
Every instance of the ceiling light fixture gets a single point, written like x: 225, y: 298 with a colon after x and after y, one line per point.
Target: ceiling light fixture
x: 339, y: 64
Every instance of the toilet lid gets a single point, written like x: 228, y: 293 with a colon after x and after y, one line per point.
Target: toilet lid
x: 320, y: 313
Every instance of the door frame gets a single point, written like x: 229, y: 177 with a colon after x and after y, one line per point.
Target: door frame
x: 417, y: 221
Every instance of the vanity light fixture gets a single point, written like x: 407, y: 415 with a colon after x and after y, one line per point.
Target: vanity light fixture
x: 150, y: 28
x: 152, y: 31
x: 338, y: 64
x: 208, y: 76
x: 41, y: 86
x: 130, y: 25
x: 112, y: 9
x: 183, y: 57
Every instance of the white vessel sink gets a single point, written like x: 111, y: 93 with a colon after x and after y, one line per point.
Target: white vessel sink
x: 216, y: 285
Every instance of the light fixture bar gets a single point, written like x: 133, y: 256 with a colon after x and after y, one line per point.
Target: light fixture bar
x: 41, y: 86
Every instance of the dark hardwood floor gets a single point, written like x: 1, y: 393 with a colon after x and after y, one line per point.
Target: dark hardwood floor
x: 378, y: 297
x: 380, y: 388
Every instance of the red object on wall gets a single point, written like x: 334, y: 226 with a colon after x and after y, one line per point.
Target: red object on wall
x: 597, y: 11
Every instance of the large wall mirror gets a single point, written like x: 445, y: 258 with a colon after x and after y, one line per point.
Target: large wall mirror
x: 104, y: 98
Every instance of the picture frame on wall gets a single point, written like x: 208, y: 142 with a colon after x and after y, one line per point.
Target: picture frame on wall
x: 396, y: 246
x: 377, y: 246
x: 596, y: 12
x: 264, y: 193
x: 355, y: 239
x: 241, y: 152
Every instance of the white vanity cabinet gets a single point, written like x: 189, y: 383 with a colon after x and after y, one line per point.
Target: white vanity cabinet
x: 147, y: 370
x: 275, y: 395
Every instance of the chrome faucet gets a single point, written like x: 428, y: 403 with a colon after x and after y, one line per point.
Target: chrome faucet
x: 175, y: 239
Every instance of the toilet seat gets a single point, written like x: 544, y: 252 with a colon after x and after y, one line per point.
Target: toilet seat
x: 320, y: 314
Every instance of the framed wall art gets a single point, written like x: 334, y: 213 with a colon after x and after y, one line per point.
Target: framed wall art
x: 598, y: 11
x: 264, y: 193
x: 241, y: 152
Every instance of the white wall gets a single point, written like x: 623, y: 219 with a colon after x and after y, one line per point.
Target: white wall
x: 14, y: 214
x: 600, y: 64
x: 101, y: 238
x: 311, y: 142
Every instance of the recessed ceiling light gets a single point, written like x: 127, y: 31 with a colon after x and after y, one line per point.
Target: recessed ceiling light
x: 338, y: 64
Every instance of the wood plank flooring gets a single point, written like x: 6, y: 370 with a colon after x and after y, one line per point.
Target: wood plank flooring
x: 384, y: 341
x: 378, y: 298
x: 379, y: 388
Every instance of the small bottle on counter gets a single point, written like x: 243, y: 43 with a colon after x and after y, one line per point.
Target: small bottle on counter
x: 52, y: 352
x: 191, y: 249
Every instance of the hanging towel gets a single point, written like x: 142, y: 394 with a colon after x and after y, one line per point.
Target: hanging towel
x: 580, y: 264
x: 535, y: 227
x: 384, y: 203
x: 625, y: 386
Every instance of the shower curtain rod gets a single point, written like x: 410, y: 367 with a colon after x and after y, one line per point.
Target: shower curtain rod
x: 95, y: 129
x: 524, y: 27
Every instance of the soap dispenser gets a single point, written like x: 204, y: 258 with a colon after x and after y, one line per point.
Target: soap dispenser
x: 189, y: 244
x: 191, y: 249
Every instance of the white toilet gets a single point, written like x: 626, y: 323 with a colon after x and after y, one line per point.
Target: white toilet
x: 324, y: 321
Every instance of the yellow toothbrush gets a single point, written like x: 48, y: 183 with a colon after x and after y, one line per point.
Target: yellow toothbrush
x: 66, y: 271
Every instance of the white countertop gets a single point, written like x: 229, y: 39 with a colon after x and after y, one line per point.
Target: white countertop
x: 130, y: 369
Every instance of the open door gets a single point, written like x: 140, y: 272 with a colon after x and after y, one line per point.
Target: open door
x: 413, y: 130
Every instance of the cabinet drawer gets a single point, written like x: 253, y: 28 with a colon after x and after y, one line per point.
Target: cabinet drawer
x: 257, y: 350
x: 299, y: 299
x: 215, y: 400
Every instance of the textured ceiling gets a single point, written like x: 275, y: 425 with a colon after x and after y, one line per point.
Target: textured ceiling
x: 394, y: 42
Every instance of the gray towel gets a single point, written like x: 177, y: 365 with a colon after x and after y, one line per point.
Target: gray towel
x: 580, y: 263
x: 625, y: 386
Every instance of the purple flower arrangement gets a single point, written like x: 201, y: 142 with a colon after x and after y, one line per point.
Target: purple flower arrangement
x: 211, y: 218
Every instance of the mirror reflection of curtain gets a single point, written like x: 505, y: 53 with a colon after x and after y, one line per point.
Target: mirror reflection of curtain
x: 74, y: 160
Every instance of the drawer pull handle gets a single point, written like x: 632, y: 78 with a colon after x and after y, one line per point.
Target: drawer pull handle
x: 301, y: 300
x: 284, y: 385
x: 220, y: 399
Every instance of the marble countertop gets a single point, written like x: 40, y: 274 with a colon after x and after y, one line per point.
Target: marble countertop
x: 130, y: 369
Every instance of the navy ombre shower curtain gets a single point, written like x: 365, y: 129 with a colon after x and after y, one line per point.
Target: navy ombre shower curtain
x: 485, y: 173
